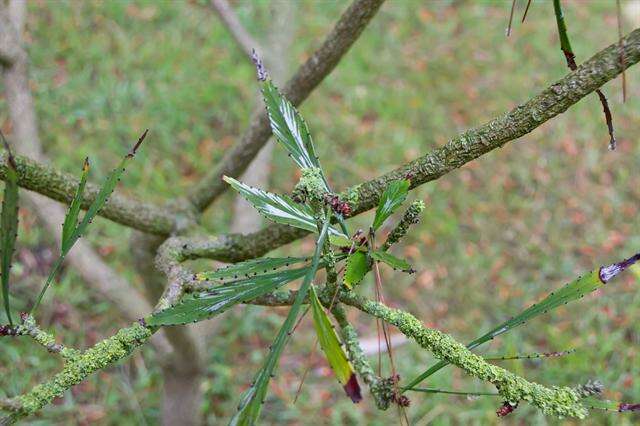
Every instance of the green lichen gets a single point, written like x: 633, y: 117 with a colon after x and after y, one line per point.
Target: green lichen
x: 80, y: 367
x: 556, y: 401
x: 311, y: 185
x: 351, y: 195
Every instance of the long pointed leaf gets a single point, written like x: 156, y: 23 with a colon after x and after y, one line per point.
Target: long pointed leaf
x: 71, y: 220
x: 9, y: 226
x: 252, y: 399
x: 101, y: 199
x: 357, y: 268
x: 278, y: 208
x: 289, y: 127
x: 332, y: 349
x: 250, y: 267
x: 205, y: 305
x: 570, y: 292
x: 391, y: 199
x: 391, y: 260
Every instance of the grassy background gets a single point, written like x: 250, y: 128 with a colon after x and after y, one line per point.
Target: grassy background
x: 496, y: 236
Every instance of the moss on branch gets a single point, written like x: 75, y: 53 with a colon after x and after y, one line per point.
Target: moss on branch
x: 556, y: 401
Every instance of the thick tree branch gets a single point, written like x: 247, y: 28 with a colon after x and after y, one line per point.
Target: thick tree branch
x: 120, y: 208
x: 235, y: 27
x: 309, y: 75
x: 468, y: 146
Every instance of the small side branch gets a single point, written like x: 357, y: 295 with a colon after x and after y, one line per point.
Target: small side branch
x: 47, y: 340
x: 230, y: 20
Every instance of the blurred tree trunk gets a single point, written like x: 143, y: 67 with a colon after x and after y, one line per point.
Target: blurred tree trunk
x: 276, y: 55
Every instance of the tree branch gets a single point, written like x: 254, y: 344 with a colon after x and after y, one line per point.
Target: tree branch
x: 120, y: 208
x: 235, y: 27
x: 315, y: 69
x: 468, y: 146
x: 559, y: 402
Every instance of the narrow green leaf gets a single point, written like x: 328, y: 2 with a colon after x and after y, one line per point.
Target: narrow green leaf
x: 620, y: 407
x: 332, y: 348
x: 250, y: 267
x: 200, y: 306
x: 570, y: 292
x: 252, y: 399
x: 9, y: 225
x: 101, y: 199
x: 278, y: 208
x: 71, y: 220
x: 289, y: 127
x: 450, y: 392
x: 391, y: 260
x: 391, y: 199
x: 357, y: 268
x: 527, y: 356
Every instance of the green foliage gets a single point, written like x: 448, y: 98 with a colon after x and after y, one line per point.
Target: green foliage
x: 392, y: 197
x: 391, y: 260
x: 101, y: 199
x: 278, y: 208
x: 71, y: 220
x: 9, y: 225
x: 332, y: 348
x: 203, y: 305
x: 357, y: 267
x: 252, y: 399
x: 290, y: 129
x: 261, y: 265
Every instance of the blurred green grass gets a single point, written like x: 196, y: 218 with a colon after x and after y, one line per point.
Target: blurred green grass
x: 496, y: 235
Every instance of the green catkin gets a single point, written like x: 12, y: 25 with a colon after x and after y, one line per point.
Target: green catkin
x: 410, y: 217
x: 556, y: 401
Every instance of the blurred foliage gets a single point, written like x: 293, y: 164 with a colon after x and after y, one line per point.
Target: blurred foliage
x: 495, y: 236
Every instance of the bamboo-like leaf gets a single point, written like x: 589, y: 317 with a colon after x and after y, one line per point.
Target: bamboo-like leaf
x: 332, y: 349
x: 357, y: 268
x: 289, y: 127
x: 391, y: 199
x: 252, y: 399
x: 391, y: 260
x: 200, y: 306
x: 620, y: 407
x: 451, y: 392
x: 570, y: 292
x: 71, y: 220
x: 527, y: 356
x: 249, y: 268
x: 98, y: 203
x: 9, y: 225
x: 278, y: 208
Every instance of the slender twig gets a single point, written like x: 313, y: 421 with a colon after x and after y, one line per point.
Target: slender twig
x: 570, y: 57
x: 526, y: 10
x: 230, y: 20
x: 513, y: 6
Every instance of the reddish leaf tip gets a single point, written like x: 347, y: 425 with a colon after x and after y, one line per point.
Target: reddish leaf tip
x: 352, y: 388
